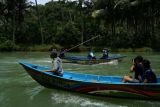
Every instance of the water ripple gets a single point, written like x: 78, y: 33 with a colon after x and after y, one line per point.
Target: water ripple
x: 32, y: 92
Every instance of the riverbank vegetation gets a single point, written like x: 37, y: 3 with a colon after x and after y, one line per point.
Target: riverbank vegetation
x: 123, y: 25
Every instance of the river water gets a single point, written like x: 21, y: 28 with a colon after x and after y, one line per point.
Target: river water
x: 18, y: 89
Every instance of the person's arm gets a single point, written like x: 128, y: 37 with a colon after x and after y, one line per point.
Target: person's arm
x: 52, y: 70
x: 145, y: 81
x: 132, y: 68
x: 146, y: 77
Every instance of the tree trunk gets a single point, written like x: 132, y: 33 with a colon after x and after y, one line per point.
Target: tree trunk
x: 41, y: 30
x: 82, y: 30
x: 152, y: 19
x: 14, y: 27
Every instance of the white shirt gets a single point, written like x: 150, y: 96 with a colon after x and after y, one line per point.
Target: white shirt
x: 58, y: 65
x: 91, y: 54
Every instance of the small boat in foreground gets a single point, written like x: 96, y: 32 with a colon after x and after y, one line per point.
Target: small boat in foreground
x: 110, y: 86
x: 86, y: 60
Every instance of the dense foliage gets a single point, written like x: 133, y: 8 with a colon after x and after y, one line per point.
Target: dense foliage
x: 121, y: 23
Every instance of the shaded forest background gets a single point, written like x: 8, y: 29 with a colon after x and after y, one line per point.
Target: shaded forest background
x: 63, y: 24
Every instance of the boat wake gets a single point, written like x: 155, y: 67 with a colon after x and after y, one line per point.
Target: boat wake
x: 78, y: 100
x: 114, y: 62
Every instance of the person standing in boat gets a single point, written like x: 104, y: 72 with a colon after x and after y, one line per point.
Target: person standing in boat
x: 138, y: 70
x: 149, y: 76
x: 105, y: 53
x: 57, y: 64
x: 91, y: 55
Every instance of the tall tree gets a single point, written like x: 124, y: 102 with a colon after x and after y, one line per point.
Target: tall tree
x: 40, y: 24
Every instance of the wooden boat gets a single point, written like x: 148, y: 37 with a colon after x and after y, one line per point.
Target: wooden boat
x: 86, y: 60
x: 110, y: 86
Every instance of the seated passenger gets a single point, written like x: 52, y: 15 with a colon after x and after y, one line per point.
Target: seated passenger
x: 57, y: 64
x: 105, y: 53
x: 61, y: 54
x: 149, y: 76
x: 91, y: 55
x: 137, y: 68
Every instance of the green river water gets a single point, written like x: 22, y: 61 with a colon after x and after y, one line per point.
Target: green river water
x: 18, y: 89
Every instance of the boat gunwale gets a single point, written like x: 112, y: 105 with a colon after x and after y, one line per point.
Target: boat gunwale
x: 78, y: 58
x: 29, y: 65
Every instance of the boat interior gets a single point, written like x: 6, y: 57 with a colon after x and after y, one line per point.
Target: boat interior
x: 83, y: 77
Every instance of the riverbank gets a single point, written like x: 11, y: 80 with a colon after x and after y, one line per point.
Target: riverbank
x: 44, y: 48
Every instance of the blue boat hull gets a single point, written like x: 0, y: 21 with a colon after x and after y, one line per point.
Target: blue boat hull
x: 86, y: 60
x: 93, y: 84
